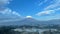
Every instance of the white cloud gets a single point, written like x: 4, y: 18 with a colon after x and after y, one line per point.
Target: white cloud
x: 46, y: 12
x: 9, y: 12
x: 28, y: 16
x: 51, y: 9
x: 14, y: 12
x: 4, y: 2
x: 57, y: 9
x: 40, y: 3
x: 6, y: 14
x: 55, y: 4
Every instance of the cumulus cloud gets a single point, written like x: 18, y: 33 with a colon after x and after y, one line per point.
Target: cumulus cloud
x: 14, y: 12
x: 6, y: 14
x: 9, y: 12
x: 28, y: 16
x: 5, y: 10
x: 4, y: 1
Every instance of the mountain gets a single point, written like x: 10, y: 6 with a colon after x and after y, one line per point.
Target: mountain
x: 25, y: 21
x: 54, y: 21
x: 30, y: 21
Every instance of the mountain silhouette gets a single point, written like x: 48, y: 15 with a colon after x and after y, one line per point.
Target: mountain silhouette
x: 30, y: 21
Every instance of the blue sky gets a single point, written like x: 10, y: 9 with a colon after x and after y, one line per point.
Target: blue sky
x: 38, y: 9
x: 25, y: 7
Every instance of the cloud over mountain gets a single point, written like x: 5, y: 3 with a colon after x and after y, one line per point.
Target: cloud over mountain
x: 28, y: 16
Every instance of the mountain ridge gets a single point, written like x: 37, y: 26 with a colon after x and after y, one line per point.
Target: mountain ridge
x: 31, y: 21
